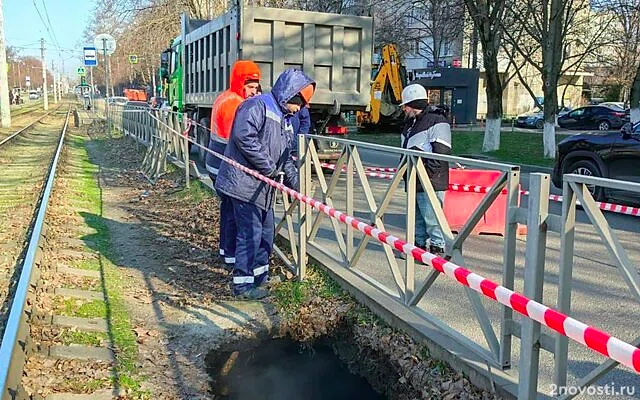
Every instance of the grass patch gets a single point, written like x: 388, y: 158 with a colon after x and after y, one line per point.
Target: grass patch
x: 80, y: 308
x: 121, y: 337
x: 196, y: 193
x: 515, y: 147
x: 85, y: 386
x: 89, y: 284
x: 289, y: 296
x: 88, y: 265
x: 86, y: 338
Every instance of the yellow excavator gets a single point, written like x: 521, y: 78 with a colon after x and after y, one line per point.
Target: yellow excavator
x: 386, y: 92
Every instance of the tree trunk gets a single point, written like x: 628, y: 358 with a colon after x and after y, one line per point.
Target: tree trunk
x: 494, y: 103
x: 153, y: 80
x: 634, y: 101
x: 550, y: 111
x: 474, y: 48
x: 552, y: 58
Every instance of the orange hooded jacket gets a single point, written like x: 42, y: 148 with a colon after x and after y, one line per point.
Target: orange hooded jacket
x: 225, y: 105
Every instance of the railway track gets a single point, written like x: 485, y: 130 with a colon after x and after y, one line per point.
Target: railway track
x: 24, y: 118
x: 28, y: 162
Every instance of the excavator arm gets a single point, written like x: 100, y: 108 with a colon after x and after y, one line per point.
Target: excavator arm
x: 388, y: 74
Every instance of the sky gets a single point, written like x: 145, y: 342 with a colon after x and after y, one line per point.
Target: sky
x: 24, y: 28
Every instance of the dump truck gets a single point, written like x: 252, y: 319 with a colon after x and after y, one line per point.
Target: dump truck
x: 335, y: 50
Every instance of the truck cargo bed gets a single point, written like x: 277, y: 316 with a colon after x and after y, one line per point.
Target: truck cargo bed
x: 335, y: 50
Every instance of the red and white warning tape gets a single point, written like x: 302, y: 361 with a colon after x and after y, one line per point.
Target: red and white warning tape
x: 387, y: 173
x: 456, y: 187
x: 597, y: 340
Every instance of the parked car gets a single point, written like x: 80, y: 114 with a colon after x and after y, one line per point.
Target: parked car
x: 118, y: 100
x: 598, y: 117
x: 613, y: 155
x: 34, y: 95
x: 535, y: 118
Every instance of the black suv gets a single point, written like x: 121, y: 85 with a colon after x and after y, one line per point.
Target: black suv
x: 594, y: 117
x: 613, y: 155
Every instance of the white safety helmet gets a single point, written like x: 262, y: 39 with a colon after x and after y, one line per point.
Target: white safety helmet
x: 413, y: 92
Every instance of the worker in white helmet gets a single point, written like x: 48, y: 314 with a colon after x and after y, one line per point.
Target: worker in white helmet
x: 429, y: 132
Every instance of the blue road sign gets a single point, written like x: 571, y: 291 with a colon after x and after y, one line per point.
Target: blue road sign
x: 90, y: 57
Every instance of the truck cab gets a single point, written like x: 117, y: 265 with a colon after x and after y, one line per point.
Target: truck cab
x: 171, y: 75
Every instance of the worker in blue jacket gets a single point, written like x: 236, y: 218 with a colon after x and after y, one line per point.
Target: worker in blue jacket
x: 261, y: 139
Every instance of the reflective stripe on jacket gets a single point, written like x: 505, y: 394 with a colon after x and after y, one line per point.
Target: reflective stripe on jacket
x: 430, y: 133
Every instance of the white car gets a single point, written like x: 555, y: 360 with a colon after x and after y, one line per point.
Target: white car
x: 118, y: 100
x: 34, y: 95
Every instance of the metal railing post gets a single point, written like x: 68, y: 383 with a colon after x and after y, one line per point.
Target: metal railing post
x: 304, y: 210
x: 533, y: 283
x: 349, y: 209
x: 567, y: 237
x: 185, y: 153
x: 412, y: 179
x: 509, y: 263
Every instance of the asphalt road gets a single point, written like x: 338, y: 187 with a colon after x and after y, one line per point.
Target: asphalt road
x: 600, y: 297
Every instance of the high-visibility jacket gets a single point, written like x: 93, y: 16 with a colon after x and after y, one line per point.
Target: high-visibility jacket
x: 224, y: 109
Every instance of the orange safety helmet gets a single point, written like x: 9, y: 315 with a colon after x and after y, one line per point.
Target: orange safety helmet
x: 307, y: 93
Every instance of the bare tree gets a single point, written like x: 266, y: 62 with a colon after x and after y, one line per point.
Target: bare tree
x: 635, y: 97
x: 566, y: 32
x: 625, y: 49
x: 435, y: 24
x: 349, y: 7
x: 487, y: 16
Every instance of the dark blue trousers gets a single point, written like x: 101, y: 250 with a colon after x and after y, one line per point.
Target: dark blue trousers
x: 227, y: 230
x: 255, y: 230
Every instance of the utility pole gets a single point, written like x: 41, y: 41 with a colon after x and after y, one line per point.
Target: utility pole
x: 55, y: 88
x: 91, y: 94
x: 106, y: 85
x: 113, y: 92
x: 44, y: 77
x: 153, y: 79
x: 5, y: 112
x: 19, y: 75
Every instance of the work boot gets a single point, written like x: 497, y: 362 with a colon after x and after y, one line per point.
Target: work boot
x: 253, y: 294
x: 437, y: 250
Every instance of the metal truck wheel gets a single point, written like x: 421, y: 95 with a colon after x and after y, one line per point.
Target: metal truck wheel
x: 203, y: 137
x: 588, y: 168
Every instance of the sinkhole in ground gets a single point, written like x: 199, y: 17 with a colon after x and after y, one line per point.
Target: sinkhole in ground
x: 283, y: 369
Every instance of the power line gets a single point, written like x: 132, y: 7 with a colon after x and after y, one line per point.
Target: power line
x: 51, y: 36
x: 46, y: 13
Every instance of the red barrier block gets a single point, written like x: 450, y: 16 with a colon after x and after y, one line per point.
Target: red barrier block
x: 458, y: 206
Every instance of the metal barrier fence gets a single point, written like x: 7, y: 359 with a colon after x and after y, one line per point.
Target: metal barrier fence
x: 165, y: 137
